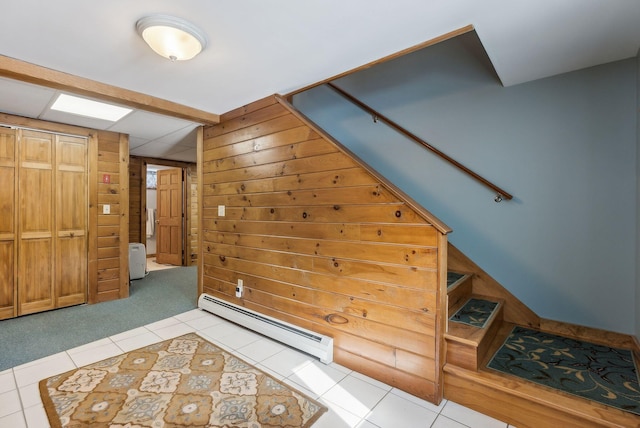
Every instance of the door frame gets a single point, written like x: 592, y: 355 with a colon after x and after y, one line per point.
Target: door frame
x: 187, y: 170
x: 167, y: 221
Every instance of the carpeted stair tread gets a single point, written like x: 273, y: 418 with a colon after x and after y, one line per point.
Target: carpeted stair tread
x: 453, y: 278
x: 591, y: 371
x: 476, y: 312
x: 468, y: 345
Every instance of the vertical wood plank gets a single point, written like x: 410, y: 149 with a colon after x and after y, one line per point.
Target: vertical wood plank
x: 92, y: 262
x: 442, y: 319
x: 124, y: 215
x: 143, y: 204
x: 199, y: 172
x: 8, y: 223
x: 136, y: 208
x: 193, y: 204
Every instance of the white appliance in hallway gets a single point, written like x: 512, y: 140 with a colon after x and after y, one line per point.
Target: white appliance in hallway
x: 137, y: 261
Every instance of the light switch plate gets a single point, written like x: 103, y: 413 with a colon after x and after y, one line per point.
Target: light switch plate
x: 221, y: 210
x: 106, y: 209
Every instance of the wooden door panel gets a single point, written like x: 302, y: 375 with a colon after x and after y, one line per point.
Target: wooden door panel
x: 71, y: 221
x: 71, y: 152
x: 35, y: 190
x: 71, y: 210
x: 7, y: 202
x: 7, y: 147
x: 176, y: 239
x: 169, y: 217
x: 36, y: 276
x: 71, y: 271
x: 36, y: 148
x: 7, y: 279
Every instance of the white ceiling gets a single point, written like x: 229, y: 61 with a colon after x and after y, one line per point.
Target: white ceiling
x: 258, y: 48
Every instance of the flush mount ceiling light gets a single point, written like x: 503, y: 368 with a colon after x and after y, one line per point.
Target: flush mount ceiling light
x: 171, y: 37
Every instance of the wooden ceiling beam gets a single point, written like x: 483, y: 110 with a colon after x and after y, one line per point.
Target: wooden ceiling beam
x: 26, y: 72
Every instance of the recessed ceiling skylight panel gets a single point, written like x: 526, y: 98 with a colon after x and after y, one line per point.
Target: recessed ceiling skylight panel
x: 89, y: 108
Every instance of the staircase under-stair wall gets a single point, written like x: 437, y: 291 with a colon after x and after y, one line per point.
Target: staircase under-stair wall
x: 322, y: 241
x: 481, y: 316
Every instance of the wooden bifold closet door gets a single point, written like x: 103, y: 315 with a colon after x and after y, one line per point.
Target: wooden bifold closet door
x: 71, y: 221
x: 52, y: 212
x: 8, y: 267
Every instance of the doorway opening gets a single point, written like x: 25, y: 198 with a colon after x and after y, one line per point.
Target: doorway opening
x: 163, y: 211
x: 164, y: 214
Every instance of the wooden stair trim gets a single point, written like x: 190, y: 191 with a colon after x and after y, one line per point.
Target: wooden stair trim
x: 497, y: 394
x: 589, y: 334
x: 485, y: 389
x: 471, y: 335
x: 458, y: 295
x: 468, y: 346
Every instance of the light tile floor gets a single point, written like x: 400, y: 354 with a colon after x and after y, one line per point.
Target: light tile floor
x: 153, y: 265
x: 354, y: 400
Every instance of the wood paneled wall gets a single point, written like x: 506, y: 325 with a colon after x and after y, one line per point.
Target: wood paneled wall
x: 113, y: 228
x: 321, y: 241
x: 192, y: 217
x: 137, y: 200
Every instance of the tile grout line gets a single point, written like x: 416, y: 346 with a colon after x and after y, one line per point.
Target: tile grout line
x: 24, y: 414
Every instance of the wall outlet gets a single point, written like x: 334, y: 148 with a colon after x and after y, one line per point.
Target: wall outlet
x: 221, y: 210
x: 106, y: 209
x: 239, y: 288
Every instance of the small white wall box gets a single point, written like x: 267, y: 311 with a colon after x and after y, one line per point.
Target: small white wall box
x: 239, y: 288
x: 137, y: 261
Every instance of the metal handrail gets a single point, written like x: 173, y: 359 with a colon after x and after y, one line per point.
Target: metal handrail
x: 502, y: 194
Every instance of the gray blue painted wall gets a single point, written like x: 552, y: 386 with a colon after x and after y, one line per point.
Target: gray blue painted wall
x: 564, y: 146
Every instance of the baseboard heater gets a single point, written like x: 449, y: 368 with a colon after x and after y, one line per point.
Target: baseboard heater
x: 305, y: 340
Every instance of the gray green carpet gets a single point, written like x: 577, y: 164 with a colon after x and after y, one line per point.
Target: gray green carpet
x: 159, y: 295
x: 595, y: 372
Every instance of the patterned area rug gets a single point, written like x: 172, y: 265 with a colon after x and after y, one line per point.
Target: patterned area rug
x: 599, y: 373
x: 181, y: 382
x: 475, y: 312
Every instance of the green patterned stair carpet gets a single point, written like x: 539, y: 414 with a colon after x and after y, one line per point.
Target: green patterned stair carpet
x: 599, y: 373
x: 476, y: 312
x: 453, y: 277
